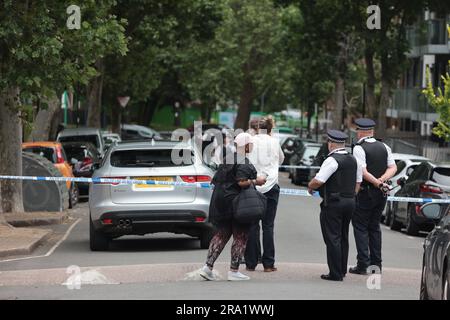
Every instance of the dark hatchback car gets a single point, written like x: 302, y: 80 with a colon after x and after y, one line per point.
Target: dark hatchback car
x: 304, y: 157
x: 428, y: 180
x: 83, y: 156
x: 291, y: 146
x: 436, y: 257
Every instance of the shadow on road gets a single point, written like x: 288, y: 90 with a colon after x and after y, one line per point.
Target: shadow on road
x: 153, y: 244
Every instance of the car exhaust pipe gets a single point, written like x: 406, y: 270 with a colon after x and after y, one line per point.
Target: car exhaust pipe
x: 124, y: 223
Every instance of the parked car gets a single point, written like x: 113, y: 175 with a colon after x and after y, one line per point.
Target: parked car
x: 91, y: 135
x: 207, y: 126
x: 83, y: 156
x: 436, y: 256
x: 54, y: 152
x: 109, y: 138
x: 282, y: 136
x: 291, y: 146
x: 428, y: 180
x: 137, y: 132
x: 406, y: 163
x: 139, y: 209
x: 304, y: 157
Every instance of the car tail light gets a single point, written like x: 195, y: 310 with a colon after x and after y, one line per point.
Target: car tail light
x: 200, y: 219
x: 111, y: 183
x: 107, y: 221
x: 59, y: 156
x: 425, y: 188
x: 193, y: 179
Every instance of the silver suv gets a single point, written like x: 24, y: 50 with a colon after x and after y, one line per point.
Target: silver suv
x: 138, y: 209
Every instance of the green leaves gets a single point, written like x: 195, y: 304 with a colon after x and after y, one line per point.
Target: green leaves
x: 41, y: 54
x: 440, y: 100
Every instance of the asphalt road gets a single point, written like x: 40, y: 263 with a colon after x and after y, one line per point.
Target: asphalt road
x: 155, y: 266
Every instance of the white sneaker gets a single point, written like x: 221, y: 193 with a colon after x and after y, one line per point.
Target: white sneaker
x: 207, y: 274
x: 237, y: 276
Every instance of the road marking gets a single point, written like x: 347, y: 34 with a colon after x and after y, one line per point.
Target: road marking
x: 66, y: 235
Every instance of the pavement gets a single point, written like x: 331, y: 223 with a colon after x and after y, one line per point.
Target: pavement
x: 160, y: 266
x: 20, y: 238
x: 18, y: 241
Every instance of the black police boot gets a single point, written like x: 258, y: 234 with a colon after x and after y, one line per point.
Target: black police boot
x: 357, y: 270
x: 330, y: 278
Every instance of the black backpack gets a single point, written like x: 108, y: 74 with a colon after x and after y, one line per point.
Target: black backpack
x: 249, y: 206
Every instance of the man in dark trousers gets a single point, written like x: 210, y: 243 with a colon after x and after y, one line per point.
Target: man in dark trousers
x: 338, y: 181
x: 378, y: 166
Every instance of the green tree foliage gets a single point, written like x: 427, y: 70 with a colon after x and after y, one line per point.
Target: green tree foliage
x: 39, y: 57
x: 161, y: 36
x: 440, y: 100
x: 245, y: 59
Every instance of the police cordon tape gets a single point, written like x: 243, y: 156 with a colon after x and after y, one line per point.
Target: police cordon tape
x: 300, y: 167
x: 205, y: 185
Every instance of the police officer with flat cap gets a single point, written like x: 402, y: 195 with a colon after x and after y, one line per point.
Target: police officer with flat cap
x: 338, y: 181
x: 378, y: 166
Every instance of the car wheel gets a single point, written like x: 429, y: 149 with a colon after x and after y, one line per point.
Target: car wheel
x: 98, y: 240
x: 423, y: 285
x: 74, y: 194
x: 412, y: 228
x: 395, y: 225
x: 205, y: 239
x: 446, y: 286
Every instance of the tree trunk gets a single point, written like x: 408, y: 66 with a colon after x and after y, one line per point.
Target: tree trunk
x: 338, y: 103
x: 384, y: 104
x: 370, y: 89
x: 116, y: 118
x: 42, y: 125
x: 245, y: 103
x: 94, y: 93
x: 386, y: 83
x: 10, y: 150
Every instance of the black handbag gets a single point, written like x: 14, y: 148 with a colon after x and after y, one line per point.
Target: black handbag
x: 249, y: 206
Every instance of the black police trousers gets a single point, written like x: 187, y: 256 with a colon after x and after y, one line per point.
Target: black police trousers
x: 370, y: 203
x: 335, y: 220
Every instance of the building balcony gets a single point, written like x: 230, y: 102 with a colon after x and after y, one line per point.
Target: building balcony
x: 410, y: 103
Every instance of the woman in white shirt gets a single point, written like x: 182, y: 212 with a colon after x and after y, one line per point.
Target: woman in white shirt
x: 266, y: 156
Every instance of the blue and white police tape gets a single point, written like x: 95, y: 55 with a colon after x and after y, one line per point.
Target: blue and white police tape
x: 206, y: 185
x: 300, y: 167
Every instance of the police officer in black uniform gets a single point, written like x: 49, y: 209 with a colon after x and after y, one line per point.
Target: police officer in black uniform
x: 337, y: 180
x: 378, y: 166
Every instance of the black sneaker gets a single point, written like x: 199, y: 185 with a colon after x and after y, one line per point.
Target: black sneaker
x: 357, y: 270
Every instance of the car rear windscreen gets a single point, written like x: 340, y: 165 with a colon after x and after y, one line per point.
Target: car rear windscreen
x: 310, y: 152
x: 47, y: 153
x: 77, y: 153
x: 151, y: 158
x: 441, y: 176
x: 86, y: 138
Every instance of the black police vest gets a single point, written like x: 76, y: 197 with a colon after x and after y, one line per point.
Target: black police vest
x: 343, y: 181
x: 376, y: 158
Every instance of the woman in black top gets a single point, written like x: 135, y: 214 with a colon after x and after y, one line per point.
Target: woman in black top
x: 232, y: 176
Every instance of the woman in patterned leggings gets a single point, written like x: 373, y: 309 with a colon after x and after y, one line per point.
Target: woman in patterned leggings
x: 230, y: 179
